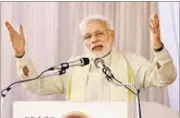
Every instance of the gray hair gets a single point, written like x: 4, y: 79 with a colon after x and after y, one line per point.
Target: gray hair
x: 84, y: 22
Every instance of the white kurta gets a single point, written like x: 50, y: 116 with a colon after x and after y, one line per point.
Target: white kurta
x: 88, y: 83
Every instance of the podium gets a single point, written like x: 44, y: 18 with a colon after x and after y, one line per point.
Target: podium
x: 113, y: 109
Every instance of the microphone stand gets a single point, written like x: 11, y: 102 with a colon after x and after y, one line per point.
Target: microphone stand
x: 110, y: 77
x: 4, y: 92
x: 60, y: 71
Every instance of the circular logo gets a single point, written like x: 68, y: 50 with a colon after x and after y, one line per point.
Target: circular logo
x: 75, y: 114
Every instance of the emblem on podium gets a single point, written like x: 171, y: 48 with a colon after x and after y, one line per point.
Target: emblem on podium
x: 75, y: 114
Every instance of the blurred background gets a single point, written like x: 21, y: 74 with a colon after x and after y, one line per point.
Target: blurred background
x: 52, y: 36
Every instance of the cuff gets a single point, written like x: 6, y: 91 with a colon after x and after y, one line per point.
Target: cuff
x: 162, y: 55
x: 23, y: 60
x: 159, y: 49
x: 20, y: 56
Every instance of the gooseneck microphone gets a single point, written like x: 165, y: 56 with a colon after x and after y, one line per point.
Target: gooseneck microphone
x: 61, y: 69
x: 99, y: 63
x: 66, y: 65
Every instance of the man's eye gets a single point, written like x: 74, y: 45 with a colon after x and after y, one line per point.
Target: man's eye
x: 99, y: 33
x: 87, y: 37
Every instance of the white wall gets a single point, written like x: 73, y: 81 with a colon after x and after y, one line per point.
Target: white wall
x: 169, y: 22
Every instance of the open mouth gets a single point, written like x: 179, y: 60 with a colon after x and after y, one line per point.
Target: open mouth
x: 97, y: 47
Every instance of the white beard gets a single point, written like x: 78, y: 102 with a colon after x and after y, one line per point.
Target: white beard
x: 106, y: 49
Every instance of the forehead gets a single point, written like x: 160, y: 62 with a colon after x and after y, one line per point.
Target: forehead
x: 95, y: 25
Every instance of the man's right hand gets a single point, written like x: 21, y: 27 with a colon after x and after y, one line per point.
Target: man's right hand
x: 17, y: 39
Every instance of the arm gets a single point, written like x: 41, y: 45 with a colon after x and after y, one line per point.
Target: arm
x: 160, y: 73
x: 45, y: 85
x: 26, y: 70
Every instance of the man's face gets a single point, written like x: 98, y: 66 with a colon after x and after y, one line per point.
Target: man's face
x: 98, y: 38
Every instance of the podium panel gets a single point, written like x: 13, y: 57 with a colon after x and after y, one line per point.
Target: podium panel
x: 56, y: 109
x: 67, y: 109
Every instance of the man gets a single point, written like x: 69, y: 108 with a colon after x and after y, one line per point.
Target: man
x: 89, y: 83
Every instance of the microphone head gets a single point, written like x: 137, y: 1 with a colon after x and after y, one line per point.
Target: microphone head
x: 98, y: 62
x: 85, y: 61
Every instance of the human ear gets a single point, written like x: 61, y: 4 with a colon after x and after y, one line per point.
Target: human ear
x: 111, y: 35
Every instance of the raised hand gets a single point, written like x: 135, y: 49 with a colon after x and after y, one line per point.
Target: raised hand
x: 155, y: 31
x: 17, y: 39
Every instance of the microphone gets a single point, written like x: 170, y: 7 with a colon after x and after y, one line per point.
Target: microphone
x: 62, y: 67
x: 110, y: 77
x: 99, y: 63
x: 80, y: 62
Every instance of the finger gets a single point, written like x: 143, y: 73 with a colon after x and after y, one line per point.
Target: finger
x: 156, y: 16
x: 152, y: 28
x: 152, y: 17
x: 21, y: 31
x: 9, y: 27
x: 152, y: 22
x: 155, y: 23
x: 157, y: 20
x: 11, y: 36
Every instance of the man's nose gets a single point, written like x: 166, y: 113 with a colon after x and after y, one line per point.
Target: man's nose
x: 94, y: 39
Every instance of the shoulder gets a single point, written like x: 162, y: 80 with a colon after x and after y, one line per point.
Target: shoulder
x: 131, y: 57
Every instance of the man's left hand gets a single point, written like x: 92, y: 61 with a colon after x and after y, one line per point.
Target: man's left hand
x: 155, y: 31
